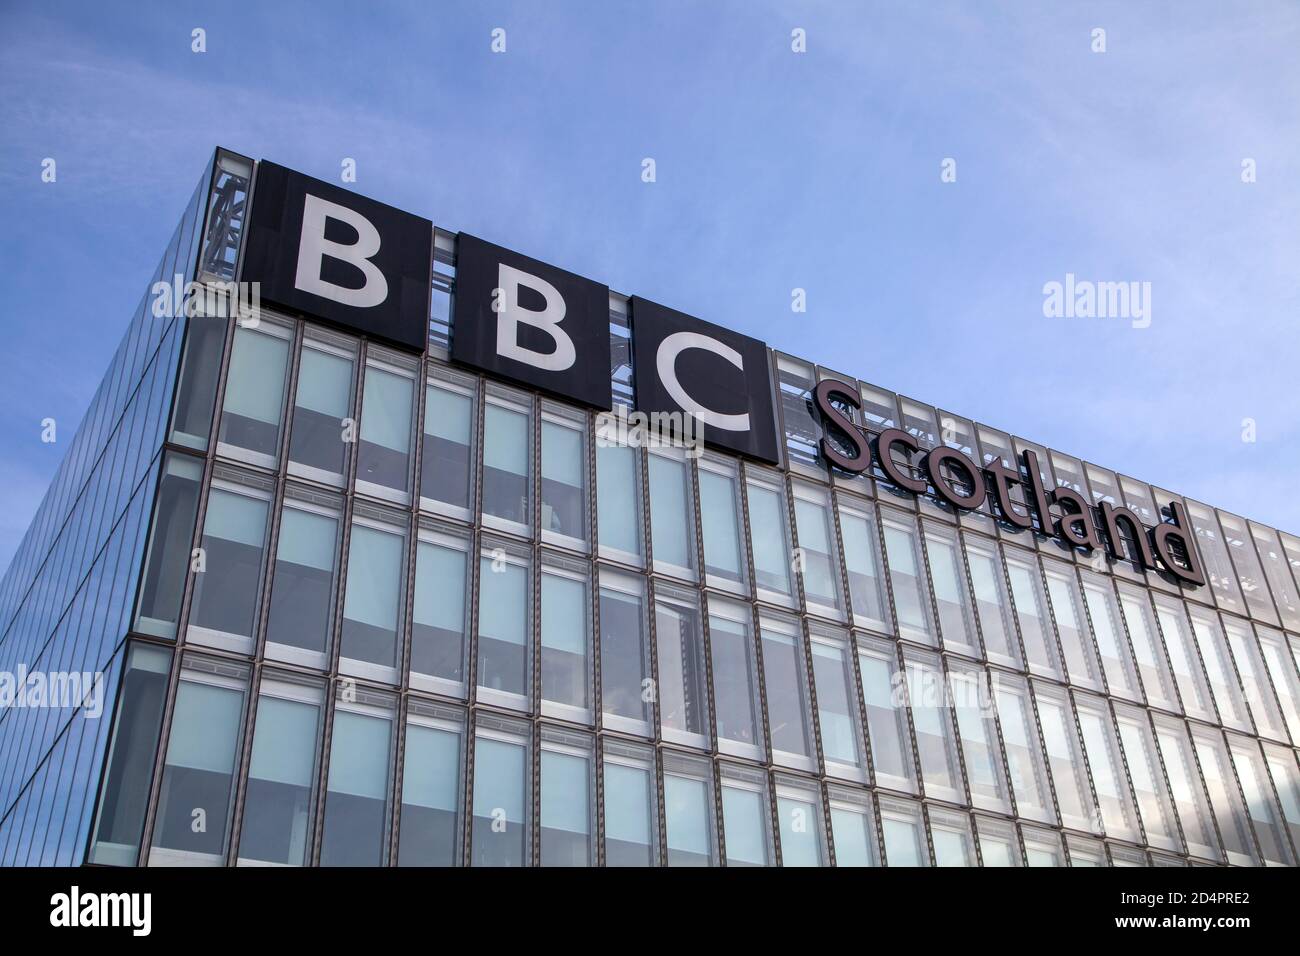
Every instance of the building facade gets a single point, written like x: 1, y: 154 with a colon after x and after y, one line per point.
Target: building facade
x: 360, y: 597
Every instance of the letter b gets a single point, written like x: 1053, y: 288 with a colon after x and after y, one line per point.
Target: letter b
x: 511, y: 315
x: 313, y: 247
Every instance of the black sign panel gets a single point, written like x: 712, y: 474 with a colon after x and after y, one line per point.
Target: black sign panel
x: 525, y: 320
x: 718, y: 376
x: 319, y: 249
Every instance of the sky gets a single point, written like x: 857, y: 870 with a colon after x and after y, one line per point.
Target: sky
x: 828, y: 170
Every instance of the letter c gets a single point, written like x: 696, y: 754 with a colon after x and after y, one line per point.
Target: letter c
x: 666, y: 365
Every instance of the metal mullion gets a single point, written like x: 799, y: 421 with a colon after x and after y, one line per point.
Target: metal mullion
x: 1236, y: 672
x: 1128, y: 774
x: 1087, y: 764
x: 1164, y: 776
x: 955, y: 729
x: 1091, y: 636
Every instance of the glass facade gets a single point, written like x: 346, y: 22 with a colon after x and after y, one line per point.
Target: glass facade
x: 565, y: 652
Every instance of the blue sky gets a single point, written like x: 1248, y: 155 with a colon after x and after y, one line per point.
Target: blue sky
x: 775, y: 170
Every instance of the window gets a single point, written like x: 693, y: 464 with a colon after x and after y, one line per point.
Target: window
x: 724, y: 562
x: 787, y: 694
x: 998, y: 844
x: 322, y: 426
x: 566, y: 630
x: 223, y: 612
x: 194, y: 800
x: 837, y: 705
x: 1219, y: 574
x: 567, y: 799
x: 631, y: 817
x: 1250, y: 574
x: 438, y: 645
x: 1273, y: 557
x: 618, y: 512
x: 1286, y: 777
x: 1282, y: 669
x: 671, y: 511
x: 302, y: 584
x: 746, y: 820
x: 853, y: 828
x: 887, y: 727
x: 254, y: 397
x: 1072, y: 625
x: 1031, y: 613
x: 1156, y: 679
x: 1148, y: 779
x: 735, y: 680
x: 1103, y: 611
x: 799, y: 813
x: 1258, y: 790
x: 626, y: 695
x: 1182, y: 655
x: 506, y: 474
x: 384, y: 450
x: 356, y: 796
x: 769, y: 534
x: 1225, y: 798
x: 280, y: 797
x: 683, y: 698
x: 862, y: 560
x: 501, y: 804
x: 196, y: 387
x: 907, y: 575
x: 372, y: 604
x: 688, y: 811
x: 564, y: 479
x: 170, y: 538
x: 1223, y: 676
x: 1066, y: 759
x: 936, y: 749
x: 953, y: 844
x: 129, y: 767
x: 1043, y: 848
x: 820, y: 566
x: 1187, y: 790
x: 988, y: 580
x: 431, y: 786
x: 948, y: 575
x: 973, y: 705
x: 900, y: 822
x: 1024, y: 753
x: 447, y: 457
x: 1108, y: 774
x: 504, y: 623
x: 1259, y: 692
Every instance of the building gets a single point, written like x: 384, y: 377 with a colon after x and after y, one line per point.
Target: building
x: 372, y: 578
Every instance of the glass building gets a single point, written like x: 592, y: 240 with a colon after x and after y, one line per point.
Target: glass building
x: 358, y: 606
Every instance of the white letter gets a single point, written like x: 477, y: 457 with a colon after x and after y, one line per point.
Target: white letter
x: 666, y: 365
x: 313, y: 247
x: 548, y: 320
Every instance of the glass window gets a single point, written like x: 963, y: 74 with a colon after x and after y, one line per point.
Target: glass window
x: 564, y: 480
x: 1024, y: 754
x: 254, y: 397
x: 1148, y: 778
x: 356, y: 797
x: 683, y: 698
x: 319, y: 436
x: 1072, y: 625
x: 1182, y: 655
x: 994, y: 608
x: 503, y: 627
x: 998, y: 844
x: 1286, y: 778
x: 626, y: 691
x: 819, y: 565
x: 384, y: 451
x: 618, y: 515
x: 500, y: 834
x: 170, y: 539
x: 1250, y: 575
x: 799, y: 812
x: 936, y: 749
x: 445, y: 467
x: 1044, y: 849
x: 1065, y: 758
x: 688, y: 811
x: 837, y: 705
x: 302, y: 584
x: 1218, y: 566
x: 431, y: 787
x: 1259, y: 691
x: 129, y: 768
x: 280, y: 796
x: 1277, y: 572
x: 194, y: 801
x: 952, y: 598
x: 1108, y: 774
x: 567, y: 804
x: 371, y: 609
x: 887, y: 730
x: 951, y: 834
x: 907, y: 575
x: 1225, y: 798
x: 196, y: 388
x: 1186, y: 788
x: 787, y: 694
x: 671, y: 509
x: 631, y: 819
x: 900, y: 822
x: 438, y: 618
x: 1223, y: 676
x: 853, y: 828
x: 505, y: 464
x: 972, y: 703
x: 719, y: 515
x: 565, y: 636
x: 769, y: 534
x: 746, y: 820
x: 1031, y: 613
x: 1258, y: 790
x: 1282, y: 669
x: 1085, y: 852
x: 1103, y: 611
x: 224, y: 607
x: 1140, y: 620
x: 735, y: 680
x: 862, y: 560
